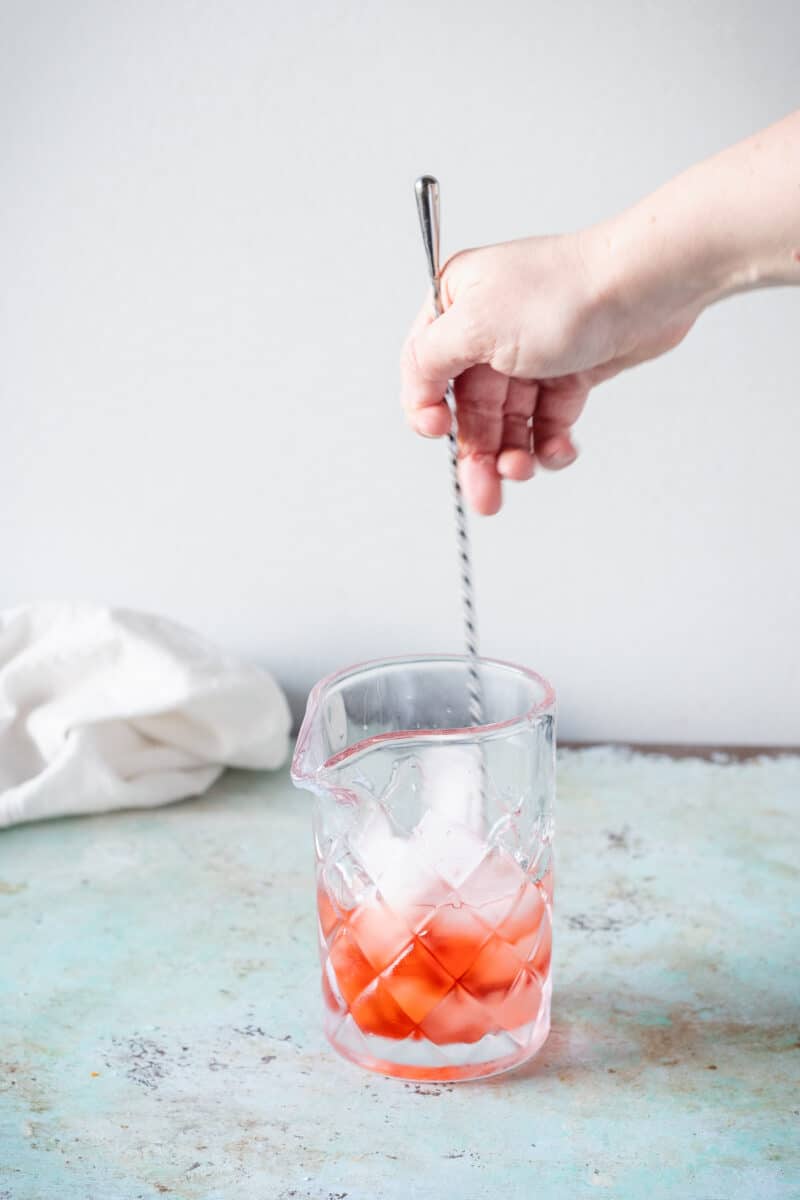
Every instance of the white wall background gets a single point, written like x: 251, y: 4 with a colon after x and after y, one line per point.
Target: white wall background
x: 208, y: 258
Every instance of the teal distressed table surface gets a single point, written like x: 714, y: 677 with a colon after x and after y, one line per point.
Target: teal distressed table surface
x: 161, y: 1015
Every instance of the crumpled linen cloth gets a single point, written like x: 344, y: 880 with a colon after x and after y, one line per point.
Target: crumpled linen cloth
x: 105, y: 708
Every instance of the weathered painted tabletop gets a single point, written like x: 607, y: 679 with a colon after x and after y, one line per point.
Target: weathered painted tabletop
x: 161, y: 1016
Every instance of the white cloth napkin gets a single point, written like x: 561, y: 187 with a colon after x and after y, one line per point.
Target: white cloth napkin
x: 107, y: 708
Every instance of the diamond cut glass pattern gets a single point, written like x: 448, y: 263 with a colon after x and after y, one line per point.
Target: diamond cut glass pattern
x: 434, y: 871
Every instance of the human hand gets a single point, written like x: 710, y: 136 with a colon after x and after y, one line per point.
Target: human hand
x: 528, y: 328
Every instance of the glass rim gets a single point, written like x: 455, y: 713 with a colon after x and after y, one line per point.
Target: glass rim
x: 456, y: 733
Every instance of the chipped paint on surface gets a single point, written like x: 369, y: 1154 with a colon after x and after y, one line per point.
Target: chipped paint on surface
x: 161, y: 1017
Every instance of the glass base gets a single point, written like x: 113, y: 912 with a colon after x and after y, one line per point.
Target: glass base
x: 421, y: 1061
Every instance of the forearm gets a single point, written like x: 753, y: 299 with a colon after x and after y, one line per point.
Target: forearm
x: 726, y: 225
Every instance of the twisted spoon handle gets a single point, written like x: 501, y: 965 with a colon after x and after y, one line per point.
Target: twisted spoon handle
x: 427, y: 192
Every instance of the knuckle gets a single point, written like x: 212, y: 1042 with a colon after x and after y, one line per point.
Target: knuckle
x: 455, y: 275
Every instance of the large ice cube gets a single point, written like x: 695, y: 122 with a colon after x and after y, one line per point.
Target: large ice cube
x: 403, y: 876
x: 450, y: 847
x: 445, y: 845
x: 452, y: 782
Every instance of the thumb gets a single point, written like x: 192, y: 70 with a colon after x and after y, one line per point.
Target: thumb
x: 437, y: 351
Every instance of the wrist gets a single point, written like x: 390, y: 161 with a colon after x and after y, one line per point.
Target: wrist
x: 727, y: 225
x: 656, y: 266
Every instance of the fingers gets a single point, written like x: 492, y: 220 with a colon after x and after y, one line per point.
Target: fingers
x: 505, y: 425
x: 559, y: 404
x: 517, y: 465
x: 431, y: 421
x: 480, y: 399
x: 481, y: 484
x: 557, y: 453
x: 435, y: 352
x: 430, y: 417
x: 515, y: 458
